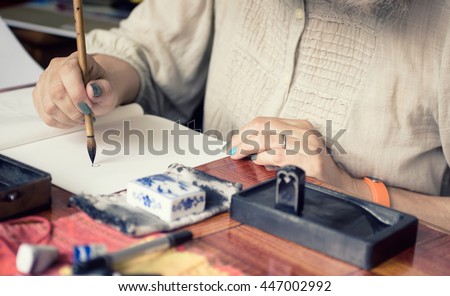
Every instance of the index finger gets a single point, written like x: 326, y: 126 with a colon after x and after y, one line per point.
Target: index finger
x: 72, y: 79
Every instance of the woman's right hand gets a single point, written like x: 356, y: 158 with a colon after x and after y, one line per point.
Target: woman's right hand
x: 61, y: 98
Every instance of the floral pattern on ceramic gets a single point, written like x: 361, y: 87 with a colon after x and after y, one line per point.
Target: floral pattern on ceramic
x: 166, y: 197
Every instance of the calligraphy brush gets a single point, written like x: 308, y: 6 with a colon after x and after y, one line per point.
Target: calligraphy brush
x: 81, y: 49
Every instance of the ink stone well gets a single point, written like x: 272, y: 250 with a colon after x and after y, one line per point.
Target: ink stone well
x: 344, y: 227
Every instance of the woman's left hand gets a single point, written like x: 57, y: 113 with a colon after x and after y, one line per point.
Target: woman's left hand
x: 281, y: 142
x: 304, y: 147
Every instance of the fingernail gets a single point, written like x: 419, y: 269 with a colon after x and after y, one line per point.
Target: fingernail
x: 232, y: 151
x: 253, y: 157
x: 84, y: 108
x: 96, y: 89
x: 225, y: 148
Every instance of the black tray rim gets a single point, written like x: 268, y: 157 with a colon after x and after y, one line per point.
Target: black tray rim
x: 406, y: 226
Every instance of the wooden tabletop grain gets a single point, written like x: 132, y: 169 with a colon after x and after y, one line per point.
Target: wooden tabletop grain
x: 255, y: 252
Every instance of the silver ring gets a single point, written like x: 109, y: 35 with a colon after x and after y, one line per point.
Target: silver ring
x: 283, y: 141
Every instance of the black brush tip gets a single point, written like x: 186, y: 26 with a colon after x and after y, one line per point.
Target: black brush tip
x: 92, y: 148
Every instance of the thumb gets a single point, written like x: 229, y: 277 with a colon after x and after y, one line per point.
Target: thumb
x: 102, y: 96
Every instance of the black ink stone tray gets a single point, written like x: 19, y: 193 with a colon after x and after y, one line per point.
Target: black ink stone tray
x: 23, y: 189
x: 344, y: 227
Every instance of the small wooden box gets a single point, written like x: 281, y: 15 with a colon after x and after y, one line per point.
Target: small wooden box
x: 23, y: 189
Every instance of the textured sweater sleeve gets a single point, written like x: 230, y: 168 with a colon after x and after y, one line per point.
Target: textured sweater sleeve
x: 444, y: 88
x: 168, y: 43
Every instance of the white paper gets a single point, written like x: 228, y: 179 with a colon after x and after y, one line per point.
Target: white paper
x: 20, y: 123
x: 66, y: 158
x: 17, y: 67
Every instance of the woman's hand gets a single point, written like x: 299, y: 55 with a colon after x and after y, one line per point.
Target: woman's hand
x: 305, y: 148
x: 281, y: 142
x: 60, y: 96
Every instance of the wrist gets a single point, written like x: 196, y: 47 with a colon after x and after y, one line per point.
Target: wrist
x: 361, y: 189
x: 354, y: 186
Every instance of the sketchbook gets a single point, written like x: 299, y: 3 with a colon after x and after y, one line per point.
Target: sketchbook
x: 130, y: 145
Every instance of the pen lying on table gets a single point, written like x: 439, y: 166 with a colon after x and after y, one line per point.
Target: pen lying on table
x: 107, y: 262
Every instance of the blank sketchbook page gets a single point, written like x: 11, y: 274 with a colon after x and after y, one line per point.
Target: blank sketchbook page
x: 20, y: 123
x: 66, y: 158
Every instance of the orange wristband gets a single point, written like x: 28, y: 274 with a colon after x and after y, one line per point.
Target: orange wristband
x: 379, y: 191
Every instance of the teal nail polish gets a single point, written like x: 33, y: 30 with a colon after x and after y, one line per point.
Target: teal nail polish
x: 233, y: 151
x: 253, y: 157
x: 225, y: 148
x: 84, y: 108
x: 96, y: 89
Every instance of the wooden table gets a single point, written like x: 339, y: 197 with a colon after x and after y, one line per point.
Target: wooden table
x: 257, y: 253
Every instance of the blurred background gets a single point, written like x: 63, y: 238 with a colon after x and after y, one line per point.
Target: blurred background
x: 46, y: 27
